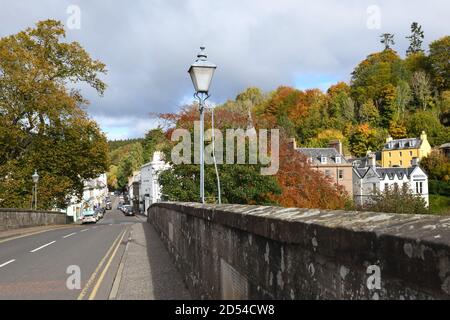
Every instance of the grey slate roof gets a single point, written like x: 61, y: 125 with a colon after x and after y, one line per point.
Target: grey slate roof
x: 364, y: 161
x: 410, y: 143
x: 317, y: 153
x: 389, y: 172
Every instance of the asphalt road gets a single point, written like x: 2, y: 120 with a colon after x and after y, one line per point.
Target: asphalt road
x: 47, y: 265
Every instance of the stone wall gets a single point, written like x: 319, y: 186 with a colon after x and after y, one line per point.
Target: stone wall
x: 18, y: 218
x: 256, y: 252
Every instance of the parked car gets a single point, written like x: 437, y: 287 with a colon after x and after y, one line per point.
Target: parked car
x: 120, y: 206
x: 128, y: 210
x: 89, y: 216
x: 100, y: 213
x: 108, y: 206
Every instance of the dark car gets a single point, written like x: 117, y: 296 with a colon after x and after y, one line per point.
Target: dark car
x: 108, y: 206
x: 128, y: 210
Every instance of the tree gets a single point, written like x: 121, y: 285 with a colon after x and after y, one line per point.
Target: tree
x: 112, y: 178
x: 428, y: 122
x: 154, y: 141
x: 444, y: 108
x: 368, y: 113
x: 420, y: 84
x: 322, y: 140
x: 415, y: 39
x: 439, y: 58
x: 402, y: 98
x: 388, y: 40
x: 303, y: 186
x: 43, y: 124
x: 397, y: 130
x: 341, y: 106
x: 397, y: 200
x: 241, y: 184
x: 129, y: 164
x: 364, y: 138
x: 373, y: 75
x: 437, y: 166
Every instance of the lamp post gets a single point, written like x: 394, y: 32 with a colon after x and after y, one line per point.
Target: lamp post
x: 202, y: 72
x: 35, y: 178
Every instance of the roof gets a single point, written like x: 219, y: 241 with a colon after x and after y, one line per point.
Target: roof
x: 445, y: 146
x: 400, y: 144
x: 364, y: 162
x: 389, y: 172
x: 317, y: 153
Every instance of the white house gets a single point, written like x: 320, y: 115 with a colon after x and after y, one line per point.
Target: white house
x: 94, y: 194
x: 135, y: 178
x: 150, y: 190
x: 369, y: 179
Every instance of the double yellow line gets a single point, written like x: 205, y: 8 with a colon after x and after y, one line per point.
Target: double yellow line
x: 114, y: 247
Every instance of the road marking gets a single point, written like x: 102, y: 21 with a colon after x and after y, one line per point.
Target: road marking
x: 84, y: 230
x: 6, y: 263
x: 42, y: 247
x: 69, y: 235
x: 100, y: 279
x: 33, y: 233
x: 94, y: 275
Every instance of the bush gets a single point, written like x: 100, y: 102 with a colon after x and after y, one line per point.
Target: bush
x: 439, y: 187
x: 400, y: 200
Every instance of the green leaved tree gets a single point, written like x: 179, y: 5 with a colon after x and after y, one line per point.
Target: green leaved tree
x: 43, y: 123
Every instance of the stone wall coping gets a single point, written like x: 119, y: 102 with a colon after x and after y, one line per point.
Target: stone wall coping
x: 29, y: 211
x: 282, y: 224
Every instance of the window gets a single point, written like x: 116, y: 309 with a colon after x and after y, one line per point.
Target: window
x: 341, y: 174
x: 401, y: 162
x: 390, y: 154
x: 390, y: 163
x: 410, y: 153
x: 386, y: 186
x: 323, y: 160
x: 374, y: 187
x: 338, y: 159
x: 401, y: 154
x: 419, y: 187
x: 396, y: 186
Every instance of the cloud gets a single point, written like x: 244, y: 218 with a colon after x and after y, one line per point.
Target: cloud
x: 149, y: 45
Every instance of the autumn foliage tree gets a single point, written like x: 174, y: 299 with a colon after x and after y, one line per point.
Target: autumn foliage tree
x: 43, y: 122
x: 303, y: 186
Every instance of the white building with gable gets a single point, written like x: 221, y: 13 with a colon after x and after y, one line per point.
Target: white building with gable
x: 150, y: 189
x: 369, y: 179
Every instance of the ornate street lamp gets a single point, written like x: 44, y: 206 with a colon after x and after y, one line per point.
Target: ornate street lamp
x: 35, y: 178
x: 202, y: 72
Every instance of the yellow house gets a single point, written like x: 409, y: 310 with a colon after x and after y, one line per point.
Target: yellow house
x: 402, y: 152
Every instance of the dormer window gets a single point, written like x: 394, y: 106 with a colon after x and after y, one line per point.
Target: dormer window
x: 323, y: 160
x: 338, y: 160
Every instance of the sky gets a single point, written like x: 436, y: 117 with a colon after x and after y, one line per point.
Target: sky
x: 148, y: 45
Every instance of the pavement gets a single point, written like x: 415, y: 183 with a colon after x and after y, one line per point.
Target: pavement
x: 148, y: 272
x: 117, y: 258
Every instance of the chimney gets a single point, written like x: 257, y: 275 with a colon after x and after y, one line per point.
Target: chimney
x: 372, y: 160
x: 336, y: 144
x: 292, y: 143
x: 389, y: 139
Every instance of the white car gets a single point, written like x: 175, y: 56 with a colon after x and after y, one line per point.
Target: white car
x: 89, y: 216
